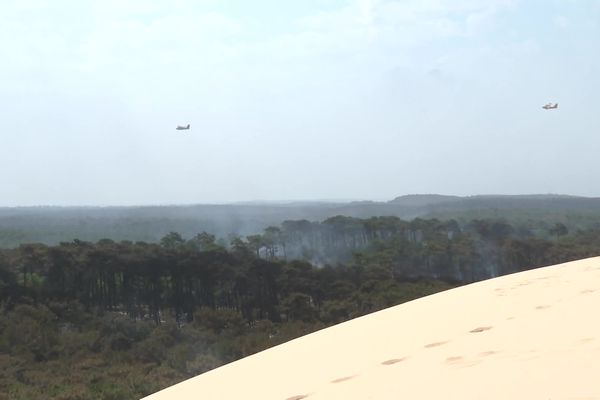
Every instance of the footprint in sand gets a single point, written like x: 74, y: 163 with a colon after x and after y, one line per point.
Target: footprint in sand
x: 435, y: 344
x: 346, y: 378
x: 393, y: 361
x: 480, y: 329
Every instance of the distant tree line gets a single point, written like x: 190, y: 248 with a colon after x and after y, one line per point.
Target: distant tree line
x: 265, y: 277
x: 52, y: 225
x: 151, y: 281
x: 444, y: 249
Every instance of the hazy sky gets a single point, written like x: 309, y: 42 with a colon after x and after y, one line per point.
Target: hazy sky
x: 330, y: 99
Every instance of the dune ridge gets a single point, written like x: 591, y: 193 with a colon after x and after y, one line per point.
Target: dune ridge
x: 529, y: 335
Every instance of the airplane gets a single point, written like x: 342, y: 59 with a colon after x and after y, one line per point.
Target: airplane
x: 550, y: 106
x: 182, y: 128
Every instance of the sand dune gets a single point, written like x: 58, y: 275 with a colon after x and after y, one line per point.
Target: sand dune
x: 530, y: 335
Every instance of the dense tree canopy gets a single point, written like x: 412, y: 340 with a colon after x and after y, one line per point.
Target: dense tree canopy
x: 158, y: 313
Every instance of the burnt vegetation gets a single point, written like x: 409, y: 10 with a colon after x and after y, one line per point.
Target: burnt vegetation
x: 121, y: 319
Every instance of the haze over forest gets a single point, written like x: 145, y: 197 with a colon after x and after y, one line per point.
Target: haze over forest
x: 335, y: 99
x: 343, y: 156
x: 52, y: 225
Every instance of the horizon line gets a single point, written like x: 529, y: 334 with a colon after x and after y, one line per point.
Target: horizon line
x: 286, y: 201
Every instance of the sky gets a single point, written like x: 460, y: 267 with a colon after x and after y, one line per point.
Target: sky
x: 330, y: 99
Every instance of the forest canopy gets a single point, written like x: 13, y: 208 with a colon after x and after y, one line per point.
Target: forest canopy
x: 122, y: 319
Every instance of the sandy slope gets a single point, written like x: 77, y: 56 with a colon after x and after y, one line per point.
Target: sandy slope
x: 531, y: 335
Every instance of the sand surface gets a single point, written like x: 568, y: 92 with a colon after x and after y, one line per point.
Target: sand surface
x: 530, y: 335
